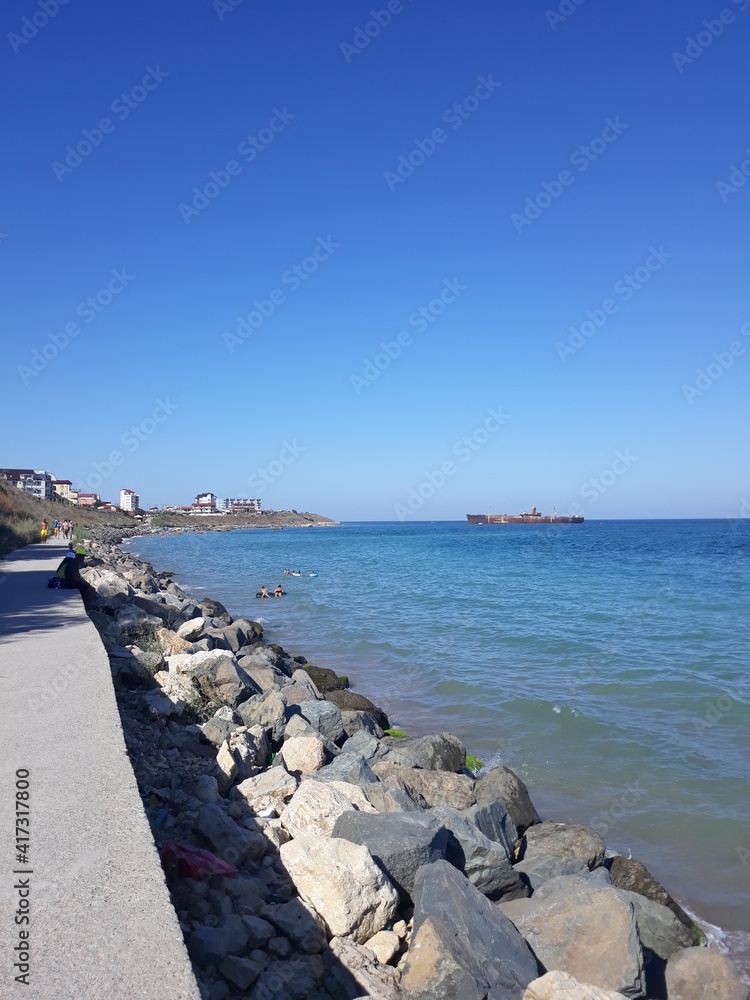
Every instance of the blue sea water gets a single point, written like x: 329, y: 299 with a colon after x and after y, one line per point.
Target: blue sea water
x: 607, y: 663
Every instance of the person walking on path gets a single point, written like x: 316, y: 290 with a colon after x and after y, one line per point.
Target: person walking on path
x: 45, y: 530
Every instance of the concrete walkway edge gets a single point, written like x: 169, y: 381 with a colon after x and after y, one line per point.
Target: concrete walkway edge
x: 101, y: 923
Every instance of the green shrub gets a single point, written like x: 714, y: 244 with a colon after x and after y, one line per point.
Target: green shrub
x: 398, y: 734
x: 16, y: 533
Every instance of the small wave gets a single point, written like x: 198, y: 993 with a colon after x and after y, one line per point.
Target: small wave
x: 734, y: 944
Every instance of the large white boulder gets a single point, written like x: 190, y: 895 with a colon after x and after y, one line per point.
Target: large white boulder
x: 342, y: 883
x: 561, y: 986
x: 303, y: 754
x: 314, y: 809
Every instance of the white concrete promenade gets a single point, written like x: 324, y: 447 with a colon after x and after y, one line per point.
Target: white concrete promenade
x: 102, y: 926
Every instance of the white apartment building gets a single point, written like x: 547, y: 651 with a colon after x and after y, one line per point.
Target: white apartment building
x: 130, y: 501
x: 36, y: 482
x: 238, y: 505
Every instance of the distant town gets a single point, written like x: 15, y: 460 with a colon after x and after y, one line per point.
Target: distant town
x: 45, y: 486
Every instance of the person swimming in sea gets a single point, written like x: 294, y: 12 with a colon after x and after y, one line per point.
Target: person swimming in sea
x: 279, y: 592
x: 264, y: 592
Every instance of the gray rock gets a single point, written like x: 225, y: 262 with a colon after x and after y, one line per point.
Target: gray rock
x: 436, y: 788
x: 298, y: 726
x: 570, y: 842
x: 297, y: 979
x: 241, y: 972
x: 215, y: 638
x: 539, y: 868
x: 661, y: 934
x: 388, y: 798
x: 346, y: 767
x: 210, y: 945
x: 216, y: 673
x: 218, y: 728
x: 443, y: 752
x: 189, y: 610
x: 462, y: 946
x: 264, y: 675
x: 267, y: 710
x: 231, y: 842
x: 485, y: 862
x: 658, y: 928
x: 585, y: 929
x: 235, y: 635
x: 325, y: 718
x: 323, y: 678
x: 352, y: 971
x: 503, y: 785
x: 353, y: 722
x: 627, y: 873
x: 365, y: 744
x: 495, y: 823
x: 192, y: 629
x: 279, y: 947
x: 703, y: 974
x: 300, y: 923
x: 259, y: 931
x: 350, y: 701
x: 206, y: 788
x: 214, y: 609
x: 399, y: 842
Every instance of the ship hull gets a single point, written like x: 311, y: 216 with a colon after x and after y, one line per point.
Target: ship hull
x: 524, y: 519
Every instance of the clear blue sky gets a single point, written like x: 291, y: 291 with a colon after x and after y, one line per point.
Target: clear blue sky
x: 184, y: 87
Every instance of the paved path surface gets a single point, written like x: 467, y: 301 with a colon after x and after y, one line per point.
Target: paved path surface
x: 102, y: 924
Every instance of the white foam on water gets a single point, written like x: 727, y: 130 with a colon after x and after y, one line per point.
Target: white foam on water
x: 734, y: 944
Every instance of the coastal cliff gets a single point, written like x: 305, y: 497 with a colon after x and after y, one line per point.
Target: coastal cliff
x: 311, y: 851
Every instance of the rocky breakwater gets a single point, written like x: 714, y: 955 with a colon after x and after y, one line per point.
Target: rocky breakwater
x: 310, y: 854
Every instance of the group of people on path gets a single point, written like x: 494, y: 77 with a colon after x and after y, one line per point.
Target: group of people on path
x: 62, y: 529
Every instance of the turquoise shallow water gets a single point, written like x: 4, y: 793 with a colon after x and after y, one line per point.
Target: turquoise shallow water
x: 607, y: 663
